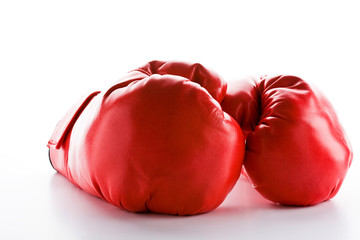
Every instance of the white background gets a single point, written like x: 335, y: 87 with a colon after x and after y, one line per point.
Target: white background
x: 52, y: 52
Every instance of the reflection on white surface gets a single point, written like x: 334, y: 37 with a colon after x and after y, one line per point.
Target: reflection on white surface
x: 45, y: 205
x: 244, y: 215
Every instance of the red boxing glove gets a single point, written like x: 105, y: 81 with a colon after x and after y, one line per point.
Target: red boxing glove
x: 156, y: 141
x: 296, y: 151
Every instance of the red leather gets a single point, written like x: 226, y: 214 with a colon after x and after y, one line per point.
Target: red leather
x: 157, y: 140
x: 296, y: 150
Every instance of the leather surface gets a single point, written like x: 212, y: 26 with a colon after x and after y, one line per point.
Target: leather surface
x: 155, y: 141
x: 296, y: 150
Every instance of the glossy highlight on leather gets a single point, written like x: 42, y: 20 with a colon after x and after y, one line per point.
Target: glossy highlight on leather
x: 157, y: 140
x: 297, y: 153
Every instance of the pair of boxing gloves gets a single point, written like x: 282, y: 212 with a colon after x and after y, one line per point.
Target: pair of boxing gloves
x: 172, y: 137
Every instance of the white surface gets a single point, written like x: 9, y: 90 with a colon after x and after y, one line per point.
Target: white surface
x: 53, y: 52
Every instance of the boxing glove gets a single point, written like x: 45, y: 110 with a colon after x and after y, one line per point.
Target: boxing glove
x: 296, y: 150
x: 155, y: 141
